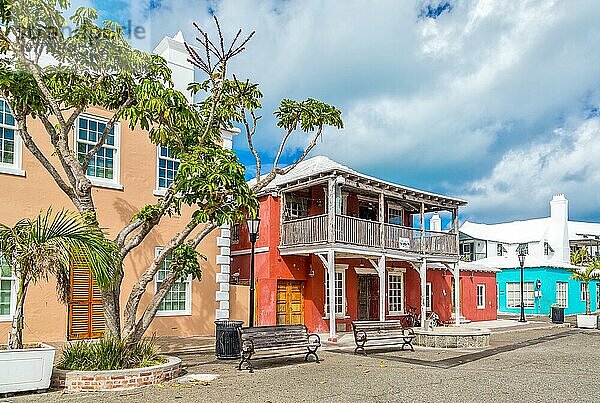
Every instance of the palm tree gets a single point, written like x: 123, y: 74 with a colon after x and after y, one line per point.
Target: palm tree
x: 585, y: 275
x: 43, y: 247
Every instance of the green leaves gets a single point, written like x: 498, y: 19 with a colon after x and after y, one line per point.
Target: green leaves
x: 310, y: 115
x: 185, y: 262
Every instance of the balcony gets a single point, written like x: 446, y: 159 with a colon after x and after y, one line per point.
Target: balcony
x: 366, y: 233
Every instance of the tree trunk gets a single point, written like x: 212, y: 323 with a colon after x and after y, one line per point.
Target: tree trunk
x: 112, y: 311
x: 587, y: 299
x: 15, y: 340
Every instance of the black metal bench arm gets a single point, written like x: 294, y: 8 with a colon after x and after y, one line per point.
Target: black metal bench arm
x: 360, y: 337
x: 247, y: 352
x: 314, y: 343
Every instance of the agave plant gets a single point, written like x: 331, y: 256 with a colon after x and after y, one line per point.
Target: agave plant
x: 36, y: 249
x: 585, y: 275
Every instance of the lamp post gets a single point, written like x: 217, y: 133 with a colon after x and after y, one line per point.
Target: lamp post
x: 522, y: 264
x: 253, y: 224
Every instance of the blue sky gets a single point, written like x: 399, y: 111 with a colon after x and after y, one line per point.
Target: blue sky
x: 495, y: 102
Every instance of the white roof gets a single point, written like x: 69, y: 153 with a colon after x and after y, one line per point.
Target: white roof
x: 512, y: 261
x: 524, y: 231
x: 321, y: 164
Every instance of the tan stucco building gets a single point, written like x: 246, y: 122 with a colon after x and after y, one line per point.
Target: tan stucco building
x: 128, y: 173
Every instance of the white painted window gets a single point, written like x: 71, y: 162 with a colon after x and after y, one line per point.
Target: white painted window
x: 562, y: 293
x: 500, y: 250
x: 166, y: 168
x: 481, y: 296
x: 524, y: 248
x: 513, y: 295
x: 396, y: 292
x: 8, y: 291
x: 10, y: 142
x: 395, y: 216
x: 340, y: 292
x: 296, y: 206
x: 178, y: 300
x: 583, y: 291
x: 103, y: 168
x: 428, y: 298
x: 547, y: 249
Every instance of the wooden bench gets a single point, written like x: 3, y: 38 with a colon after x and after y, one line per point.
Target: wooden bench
x: 390, y: 332
x: 277, y: 341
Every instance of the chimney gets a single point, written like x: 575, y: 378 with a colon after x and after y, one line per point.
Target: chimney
x: 435, y: 223
x: 558, y: 232
x: 176, y: 55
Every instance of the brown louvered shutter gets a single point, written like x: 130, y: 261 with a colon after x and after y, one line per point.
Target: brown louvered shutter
x: 86, y: 318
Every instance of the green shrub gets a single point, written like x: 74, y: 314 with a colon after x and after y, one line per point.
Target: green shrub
x: 109, y: 353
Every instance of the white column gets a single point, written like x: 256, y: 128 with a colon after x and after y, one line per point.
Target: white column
x: 423, y: 275
x: 382, y: 276
x: 331, y: 273
x: 456, y: 294
x: 224, y: 262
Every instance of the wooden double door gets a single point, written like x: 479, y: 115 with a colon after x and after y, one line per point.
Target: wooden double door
x: 290, y: 302
x: 368, y: 297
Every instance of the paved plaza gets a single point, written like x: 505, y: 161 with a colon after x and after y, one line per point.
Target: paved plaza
x: 537, y: 364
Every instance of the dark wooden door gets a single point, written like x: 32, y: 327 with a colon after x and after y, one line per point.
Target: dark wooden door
x: 290, y: 303
x: 368, y: 297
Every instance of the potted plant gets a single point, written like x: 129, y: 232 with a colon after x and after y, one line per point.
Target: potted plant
x: 34, y: 250
x: 585, y: 275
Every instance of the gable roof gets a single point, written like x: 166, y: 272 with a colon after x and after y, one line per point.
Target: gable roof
x: 323, y: 165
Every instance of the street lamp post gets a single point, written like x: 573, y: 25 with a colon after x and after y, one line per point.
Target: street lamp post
x: 522, y: 264
x: 253, y: 224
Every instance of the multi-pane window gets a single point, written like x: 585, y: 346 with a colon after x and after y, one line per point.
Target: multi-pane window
x: 500, y: 250
x: 547, y: 249
x: 339, y: 293
x: 513, y: 295
x: 523, y: 248
x: 7, y: 291
x: 167, y: 167
x: 480, y: 296
x: 583, y: 291
x: 177, y: 300
x: 428, y: 297
x: 562, y: 296
x: 296, y: 206
x: 395, y: 292
x: 395, y: 216
x: 235, y: 233
x: 9, y: 138
x: 466, y: 251
x: 104, y: 164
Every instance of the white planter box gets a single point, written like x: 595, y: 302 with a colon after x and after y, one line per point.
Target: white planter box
x: 587, y: 321
x: 26, y: 369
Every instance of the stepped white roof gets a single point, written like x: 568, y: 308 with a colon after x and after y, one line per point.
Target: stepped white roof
x: 512, y: 261
x: 525, y: 231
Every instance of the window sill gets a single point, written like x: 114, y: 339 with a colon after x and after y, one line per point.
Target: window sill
x: 173, y: 313
x: 104, y: 184
x: 6, y: 319
x: 159, y: 192
x: 337, y: 317
x: 11, y: 171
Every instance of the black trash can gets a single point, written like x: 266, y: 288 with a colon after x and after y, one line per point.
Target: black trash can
x: 227, y: 344
x: 558, y: 314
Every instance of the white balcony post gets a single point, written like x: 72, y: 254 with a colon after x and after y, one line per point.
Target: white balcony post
x: 423, y: 275
x: 381, y: 220
x: 382, y: 289
x: 331, y: 274
x: 456, y: 294
x: 331, y: 207
x: 422, y: 227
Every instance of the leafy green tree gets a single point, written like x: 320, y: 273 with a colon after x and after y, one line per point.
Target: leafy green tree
x: 42, y: 247
x: 581, y: 257
x: 95, y: 66
x: 586, y: 275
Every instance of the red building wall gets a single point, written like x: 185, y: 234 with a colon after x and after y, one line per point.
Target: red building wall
x: 271, y: 267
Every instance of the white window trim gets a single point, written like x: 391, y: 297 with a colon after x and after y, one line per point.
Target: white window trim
x: 583, y: 290
x: 16, y: 168
x: 566, y: 285
x: 482, y: 288
x: 428, y: 291
x: 13, y: 299
x: 339, y: 268
x: 115, y: 183
x: 402, y: 284
x: 517, y: 305
x: 188, y: 294
x: 158, y: 191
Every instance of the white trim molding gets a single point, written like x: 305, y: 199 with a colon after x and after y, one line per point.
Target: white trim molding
x: 262, y: 249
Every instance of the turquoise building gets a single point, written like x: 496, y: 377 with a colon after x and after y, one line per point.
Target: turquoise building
x: 544, y: 286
